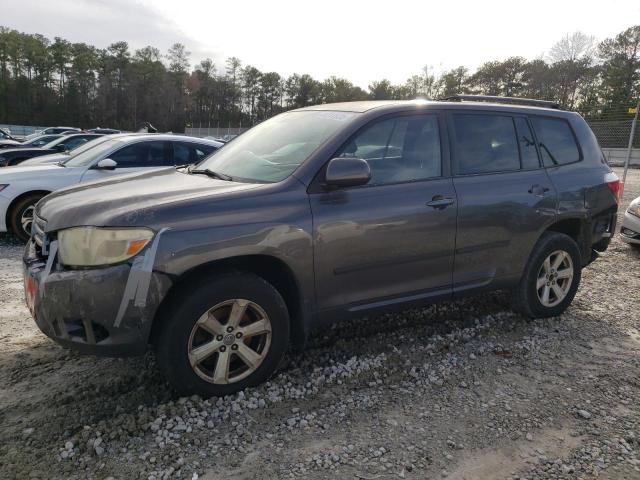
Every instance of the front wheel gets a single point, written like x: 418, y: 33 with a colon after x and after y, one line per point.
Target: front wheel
x: 21, y: 216
x: 551, y: 277
x: 227, y: 334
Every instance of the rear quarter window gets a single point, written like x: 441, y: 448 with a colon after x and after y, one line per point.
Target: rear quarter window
x: 556, y: 141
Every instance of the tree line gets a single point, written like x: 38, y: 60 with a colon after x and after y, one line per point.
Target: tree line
x: 45, y: 82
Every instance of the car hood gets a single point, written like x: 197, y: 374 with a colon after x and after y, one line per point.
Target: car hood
x: 9, y: 142
x: 129, y: 199
x: 45, y: 159
x: 35, y: 172
x: 22, y: 150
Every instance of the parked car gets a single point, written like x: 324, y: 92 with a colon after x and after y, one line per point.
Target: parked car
x: 22, y: 187
x: 315, y: 215
x: 38, y: 141
x: 59, y: 157
x: 630, y: 229
x: 15, y: 156
x: 217, y: 139
x: 53, y: 130
x: 104, y: 131
x: 6, y: 139
x: 41, y: 140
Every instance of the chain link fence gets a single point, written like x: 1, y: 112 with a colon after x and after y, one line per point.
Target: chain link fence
x: 613, y: 136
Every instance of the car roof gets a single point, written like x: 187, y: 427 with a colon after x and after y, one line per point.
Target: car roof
x: 390, y: 106
x: 161, y: 136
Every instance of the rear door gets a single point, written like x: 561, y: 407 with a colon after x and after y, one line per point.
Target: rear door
x: 505, y: 197
x: 391, y: 240
x: 134, y: 157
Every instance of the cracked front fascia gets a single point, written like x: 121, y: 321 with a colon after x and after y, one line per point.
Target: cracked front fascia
x: 137, y: 286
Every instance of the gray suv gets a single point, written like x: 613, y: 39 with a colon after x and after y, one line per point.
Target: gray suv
x: 316, y: 215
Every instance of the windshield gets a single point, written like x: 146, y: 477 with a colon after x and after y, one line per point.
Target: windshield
x: 85, y: 155
x: 271, y: 151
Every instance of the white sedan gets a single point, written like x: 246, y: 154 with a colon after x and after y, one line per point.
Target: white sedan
x: 22, y: 187
x: 630, y: 229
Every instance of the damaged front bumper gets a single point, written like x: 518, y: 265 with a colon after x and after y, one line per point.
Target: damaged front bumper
x: 93, y: 310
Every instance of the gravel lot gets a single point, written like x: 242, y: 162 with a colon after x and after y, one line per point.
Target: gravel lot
x: 463, y: 390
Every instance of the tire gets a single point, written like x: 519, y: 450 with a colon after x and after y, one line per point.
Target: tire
x: 18, y: 211
x: 187, y: 327
x: 528, y: 299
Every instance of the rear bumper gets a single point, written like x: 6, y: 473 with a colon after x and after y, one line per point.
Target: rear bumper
x: 90, y: 310
x: 630, y: 229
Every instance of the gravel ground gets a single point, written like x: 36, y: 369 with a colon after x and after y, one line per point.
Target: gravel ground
x: 462, y: 390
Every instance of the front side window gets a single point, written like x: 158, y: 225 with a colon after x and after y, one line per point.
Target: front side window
x: 556, y: 140
x: 271, y: 151
x: 140, y: 154
x: 399, y: 149
x: 485, y: 144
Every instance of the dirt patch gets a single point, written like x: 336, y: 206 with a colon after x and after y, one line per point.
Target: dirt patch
x: 506, y: 460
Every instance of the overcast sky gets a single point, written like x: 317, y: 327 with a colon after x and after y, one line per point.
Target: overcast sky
x: 359, y: 40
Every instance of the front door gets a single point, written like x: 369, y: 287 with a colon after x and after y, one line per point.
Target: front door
x: 393, y: 239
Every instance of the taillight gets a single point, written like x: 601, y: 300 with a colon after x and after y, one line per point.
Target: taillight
x: 615, y: 185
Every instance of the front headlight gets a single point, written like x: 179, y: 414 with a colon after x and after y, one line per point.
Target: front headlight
x: 634, y: 209
x: 94, y: 246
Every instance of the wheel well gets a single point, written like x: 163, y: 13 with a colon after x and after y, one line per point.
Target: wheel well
x: 577, y: 229
x: 17, y: 199
x: 269, y: 268
x: 570, y: 226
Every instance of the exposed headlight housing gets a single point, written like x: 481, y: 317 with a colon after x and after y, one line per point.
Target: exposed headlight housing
x: 634, y: 209
x: 95, y: 246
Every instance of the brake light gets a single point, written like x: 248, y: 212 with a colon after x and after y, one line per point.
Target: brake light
x: 615, y: 185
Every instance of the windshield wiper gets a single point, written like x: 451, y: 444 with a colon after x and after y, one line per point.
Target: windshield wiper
x: 61, y: 164
x: 212, y: 174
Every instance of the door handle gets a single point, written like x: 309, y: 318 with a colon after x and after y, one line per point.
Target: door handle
x: 440, y: 202
x: 538, y: 190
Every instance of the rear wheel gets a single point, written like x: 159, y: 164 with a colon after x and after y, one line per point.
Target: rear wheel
x: 551, y: 277
x: 227, y: 334
x: 21, y: 216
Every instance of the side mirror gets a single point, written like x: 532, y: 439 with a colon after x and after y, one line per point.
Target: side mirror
x: 61, y: 148
x: 106, y: 164
x: 347, y: 172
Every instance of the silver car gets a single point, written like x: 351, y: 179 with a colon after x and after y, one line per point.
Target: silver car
x: 630, y: 229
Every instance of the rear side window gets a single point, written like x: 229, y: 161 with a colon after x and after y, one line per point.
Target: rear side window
x: 485, y: 144
x: 527, y: 145
x: 556, y: 141
x: 187, y: 152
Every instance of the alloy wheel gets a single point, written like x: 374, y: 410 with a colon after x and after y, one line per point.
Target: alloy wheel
x: 26, y: 219
x: 554, y: 278
x: 229, y: 341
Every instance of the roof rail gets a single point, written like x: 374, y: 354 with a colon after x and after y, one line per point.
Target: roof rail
x: 509, y: 100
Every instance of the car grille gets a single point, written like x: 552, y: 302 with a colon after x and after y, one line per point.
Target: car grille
x: 39, y: 236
